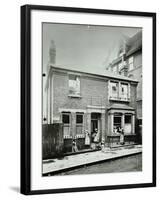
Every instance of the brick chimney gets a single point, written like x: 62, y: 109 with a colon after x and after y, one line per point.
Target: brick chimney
x: 52, y: 52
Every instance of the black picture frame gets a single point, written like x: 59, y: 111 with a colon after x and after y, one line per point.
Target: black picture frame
x: 26, y: 98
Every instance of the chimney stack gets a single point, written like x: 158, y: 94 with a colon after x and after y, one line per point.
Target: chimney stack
x: 52, y: 52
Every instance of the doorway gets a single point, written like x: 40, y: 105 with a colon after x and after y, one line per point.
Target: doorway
x: 95, y: 123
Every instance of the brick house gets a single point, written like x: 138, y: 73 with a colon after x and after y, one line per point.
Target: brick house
x: 87, y: 100
x: 129, y: 63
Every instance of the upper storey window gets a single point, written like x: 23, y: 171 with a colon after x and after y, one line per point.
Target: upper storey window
x: 74, y: 85
x: 124, y: 90
x: 119, y: 91
x: 130, y: 62
x: 114, y: 89
x: 115, y: 69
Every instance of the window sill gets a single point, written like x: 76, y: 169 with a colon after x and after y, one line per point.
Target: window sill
x: 119, y: 99
x: 74, y: 96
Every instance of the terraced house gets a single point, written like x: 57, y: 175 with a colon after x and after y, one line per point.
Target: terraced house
x: 85, y: 101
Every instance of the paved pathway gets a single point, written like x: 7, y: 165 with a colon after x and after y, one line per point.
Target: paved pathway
x: 73, y: 161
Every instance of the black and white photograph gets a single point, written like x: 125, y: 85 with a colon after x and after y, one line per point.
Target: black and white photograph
x: 88, y: 102
x: 92, y: 83
x: 80, y: 100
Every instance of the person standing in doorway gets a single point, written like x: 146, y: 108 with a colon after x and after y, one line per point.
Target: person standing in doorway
x: 96, y: 138
x: 87, y: 139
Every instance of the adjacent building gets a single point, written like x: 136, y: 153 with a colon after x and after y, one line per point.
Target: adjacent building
x: 129, y: 63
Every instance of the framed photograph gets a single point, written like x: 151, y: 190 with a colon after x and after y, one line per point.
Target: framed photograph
x: 88, y: 99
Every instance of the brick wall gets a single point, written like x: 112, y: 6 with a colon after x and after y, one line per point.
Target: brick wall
x: 93, y: 92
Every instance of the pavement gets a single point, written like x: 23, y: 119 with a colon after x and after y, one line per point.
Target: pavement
x: 58, y: 165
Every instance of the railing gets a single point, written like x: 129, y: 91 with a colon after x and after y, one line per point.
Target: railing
x: 113, y: 140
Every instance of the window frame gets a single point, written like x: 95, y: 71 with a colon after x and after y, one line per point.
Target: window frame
x: 128, y: 115
x: 130, y: 63
x: 81, y: 114
x: 110, y: 90
x: 79, y: 124
x: 69, y: 114
x: 67, y: 125
x: 77, y: 94
x: 128, y: 91
x: 119, y: 96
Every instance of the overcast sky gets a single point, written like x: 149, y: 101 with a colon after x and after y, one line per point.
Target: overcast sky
x: 83, y: 46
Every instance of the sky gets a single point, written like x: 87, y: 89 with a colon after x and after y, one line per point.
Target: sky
x: 83, y: 46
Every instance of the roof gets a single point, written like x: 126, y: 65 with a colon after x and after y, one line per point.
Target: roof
x: 96, y: 72
x: 132, y: 45
x: 120, y: 106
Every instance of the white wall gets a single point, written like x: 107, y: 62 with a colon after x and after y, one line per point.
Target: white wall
x: 10, y: 99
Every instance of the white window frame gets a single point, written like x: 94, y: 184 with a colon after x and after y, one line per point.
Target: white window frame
x: 78, y: 94
x: 119, y: 95
x: 128, y: 91
x: 79, y: 124
x: 67, y: 124
x: 131, y: 63
x: 110, y: 89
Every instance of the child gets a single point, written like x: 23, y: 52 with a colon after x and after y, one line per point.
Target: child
x: 74, y: 146
x: 87, y: 138
x: 122, y: 136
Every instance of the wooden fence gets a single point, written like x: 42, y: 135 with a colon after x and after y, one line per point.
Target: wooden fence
x: 52, y: 140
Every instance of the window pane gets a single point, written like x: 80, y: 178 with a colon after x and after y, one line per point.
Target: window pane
x: 114, y: 89
x: 127, y: 119
x: 130, y: 63
x: 131, y: 60
x: 79, y: 130
x: 74, y: 84
x: 72, y: 77
x: 79, y: 119
x: 139, y: 121
x: 124, y: 90
x: 66, y: 131
x: 117, y: 120
x: 117, y: 124
x: 65, y: 118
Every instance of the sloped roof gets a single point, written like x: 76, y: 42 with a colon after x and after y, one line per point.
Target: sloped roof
x: 94, y: 71
x: 120, y: 106
x: 134, y: 43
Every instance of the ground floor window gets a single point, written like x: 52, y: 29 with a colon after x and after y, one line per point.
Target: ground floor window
x: 122, y: 122
x: 127, y: 119
x: 66, y: 124
x: 127, y: 125
x: 117, y: 123
x: 79, y: 123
